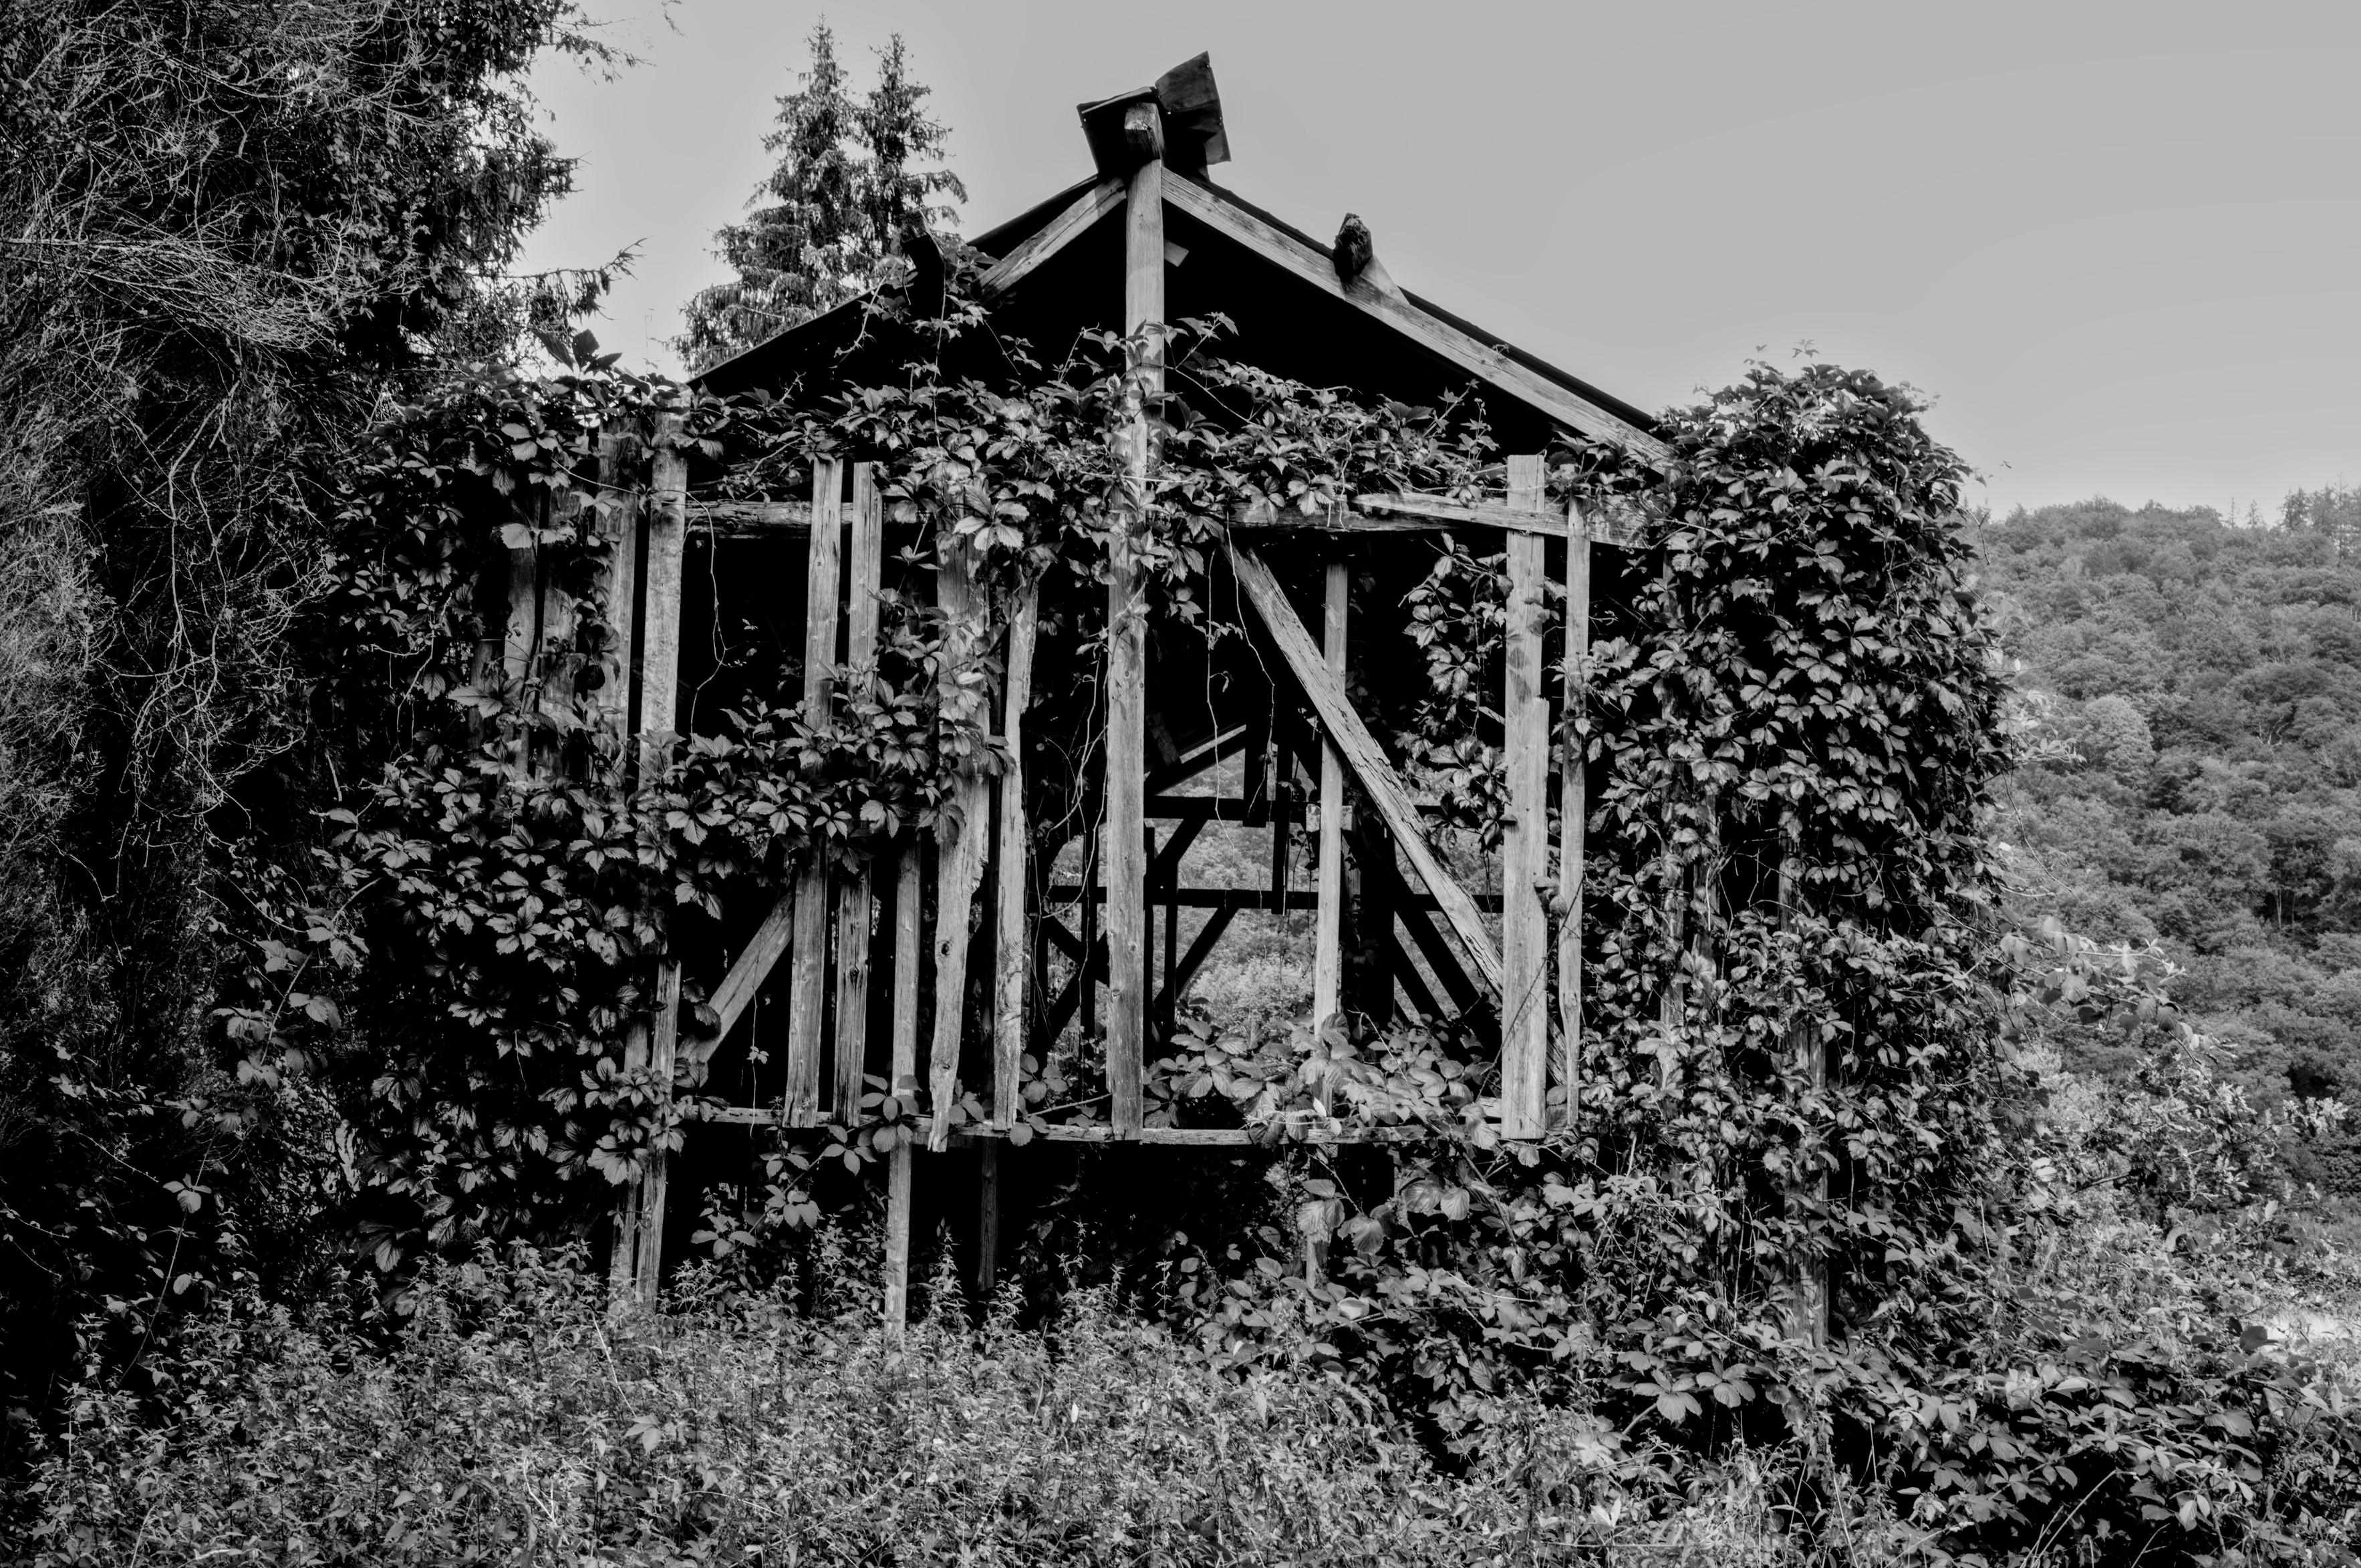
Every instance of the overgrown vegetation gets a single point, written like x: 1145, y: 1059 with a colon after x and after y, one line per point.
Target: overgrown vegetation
x: 231, y: 227
x: 1839, y: 1258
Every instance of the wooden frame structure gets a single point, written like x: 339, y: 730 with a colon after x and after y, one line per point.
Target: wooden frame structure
x: 833, y: 937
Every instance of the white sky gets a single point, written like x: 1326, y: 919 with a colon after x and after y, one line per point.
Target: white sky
x: 2119, y: 244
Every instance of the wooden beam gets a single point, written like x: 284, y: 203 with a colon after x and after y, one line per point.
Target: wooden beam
x: 1080, y: 216
x: 1295, y: 1128
x: 962, y: 834
x: 1512, y: 518
x: 650, y: 1045
x: 659, y: 674
x: 857, y: 900
x: 1328, y: 940
x: 615, y: 514
x: 1524, y: 844
x: 1481, y: 360
x: 1012, y: 950
x: 1379, y: 784
x: 1574, y: 812
x: 745, y: 977
x: 1808, y: 1310
x: 902, y: 1070
x: 808, y: 982
x: 1127, y: 666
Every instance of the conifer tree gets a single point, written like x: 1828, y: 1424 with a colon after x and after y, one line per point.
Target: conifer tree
x: 827, y: 223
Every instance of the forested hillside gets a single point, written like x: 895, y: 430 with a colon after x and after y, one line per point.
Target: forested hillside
x: 2192, y: 691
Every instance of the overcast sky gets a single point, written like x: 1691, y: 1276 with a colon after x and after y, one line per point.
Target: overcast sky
x: 2120, y: 245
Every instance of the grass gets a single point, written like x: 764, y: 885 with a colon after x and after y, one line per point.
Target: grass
x: 512, y: 1421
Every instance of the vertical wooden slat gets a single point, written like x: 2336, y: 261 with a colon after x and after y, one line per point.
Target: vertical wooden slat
x: 960, y: 837
x: 618, y: 528
x: 1524, y: 845
x: 1013, y: 949
x: 904, y: 1070
x: 1088, y: 976
x: 1126, y: 675
x: 521, y: 640
x: 857, y: 898
x: 1574, y: 810
x: 639, y: 1240
x: 987, y: 1228
x: 807, y: 982
x: 1328, y: 944
x: 1808, y: 1311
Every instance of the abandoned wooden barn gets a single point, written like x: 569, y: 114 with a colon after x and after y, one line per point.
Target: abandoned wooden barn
x: 1071, y: 875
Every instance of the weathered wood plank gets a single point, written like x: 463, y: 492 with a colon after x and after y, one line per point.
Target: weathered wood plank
x: 1480, y: 359
x: 659, y: 680
x: 962, y: 834
x: 639, y: 1231
x: 1126, y: 670
x: 1382, y: 786
x: 1077, y: 220
x: 857, y: 898
x: 1525, y: 843
x: 902, y: 1070
x: 987, y: 1217
x: 1328, y: 939
x: 616, y: 526
x: 1574, y: 812
x: 1411, y: 511
x: 1012, y: 948
x: 807, y: 982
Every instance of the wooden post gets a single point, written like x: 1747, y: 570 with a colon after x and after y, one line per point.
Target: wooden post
x: 650, y: 1046
x: 617, y: 512
x: 961, y: 836
x: 904, y: 1070
x: 859, y: 897
x: 1524, y: 848
x: 1573, y: 808
x: 987, y: 1227
x: 1328, y: 942
x: 522, y: 640
x: 808, y: 991
x: 1807, y: 1312
x: 1127, y: 673
x: 1011, y: 950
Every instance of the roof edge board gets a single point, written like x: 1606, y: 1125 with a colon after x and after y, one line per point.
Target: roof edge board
x: 1210, y: 206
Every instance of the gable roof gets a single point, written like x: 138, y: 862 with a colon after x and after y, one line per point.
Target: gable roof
x: 1056, y: 271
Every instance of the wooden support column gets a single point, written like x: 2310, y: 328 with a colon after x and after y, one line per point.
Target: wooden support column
x: 1524, y: 847
x: 904, y: 1070
x: 1328, y: 945
x: 650, y: 1046
x: 616, y: 523
x: 865, y: 572
x: 807, y: 984
x: 1012, y: 947
x: 1126, y: 670
x: 961, y: 835
x: 1574, y: 809
x: 1808, y: 1310
x: 529, y: 509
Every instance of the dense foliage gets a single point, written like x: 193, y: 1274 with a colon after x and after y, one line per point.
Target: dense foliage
x: 2194, y: 690
x: 513, y: 1423
x: 230, y: 227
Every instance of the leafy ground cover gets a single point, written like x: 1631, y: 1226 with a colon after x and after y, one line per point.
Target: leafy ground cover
x: 511, y: 1420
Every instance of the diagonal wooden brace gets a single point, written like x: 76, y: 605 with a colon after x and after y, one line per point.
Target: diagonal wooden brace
x: 1383, y: 786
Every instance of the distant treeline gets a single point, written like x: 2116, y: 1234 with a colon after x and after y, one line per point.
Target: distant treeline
x: 2193, y: 691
